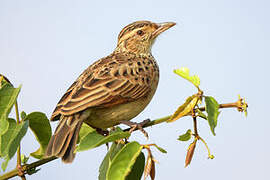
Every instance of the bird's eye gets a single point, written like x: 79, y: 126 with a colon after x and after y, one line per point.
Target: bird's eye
x: 140, y: 32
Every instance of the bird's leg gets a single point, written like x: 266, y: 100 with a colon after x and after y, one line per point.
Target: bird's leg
x: 134, y: 126
x: 102, y: 132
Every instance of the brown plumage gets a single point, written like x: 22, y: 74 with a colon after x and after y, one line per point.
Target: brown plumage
x: 113, y: 89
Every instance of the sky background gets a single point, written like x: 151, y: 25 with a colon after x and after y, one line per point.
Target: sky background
x: 45, y: 45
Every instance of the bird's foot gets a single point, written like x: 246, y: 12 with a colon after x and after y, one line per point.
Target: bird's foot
x: 134, y: 126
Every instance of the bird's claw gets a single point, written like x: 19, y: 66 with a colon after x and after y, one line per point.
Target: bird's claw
x: 134, y: 126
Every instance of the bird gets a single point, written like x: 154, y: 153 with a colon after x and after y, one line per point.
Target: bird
x: 111, y: 91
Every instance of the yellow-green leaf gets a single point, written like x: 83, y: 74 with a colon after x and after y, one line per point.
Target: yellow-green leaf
x: 201, y: 114
x: 211, y: 107
x: 184, y: 73
x: 5, y: 163
x: 24, y: 158
x: 185, y: 108
x: 160, y: 148
x: 186, y: 136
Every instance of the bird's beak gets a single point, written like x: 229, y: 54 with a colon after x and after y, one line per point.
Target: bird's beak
x: 162, y: 27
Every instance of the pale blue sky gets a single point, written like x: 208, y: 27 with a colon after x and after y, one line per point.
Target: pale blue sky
x: 45, y: 45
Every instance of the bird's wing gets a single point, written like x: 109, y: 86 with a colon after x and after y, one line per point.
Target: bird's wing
x: 104, y: 84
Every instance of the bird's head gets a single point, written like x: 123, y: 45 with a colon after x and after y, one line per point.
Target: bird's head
x: 138, y: 37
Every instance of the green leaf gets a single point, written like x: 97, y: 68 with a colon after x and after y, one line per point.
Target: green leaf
x: 23, y: 115
x: 184, y: 73
x: 123, y: 161
x: 160, y: 149
x: 186, y: 136
x: 137, y: 169
x: 17, y: 135
x: 5, y: 138
x: 5, y: 163
x: 40, y: 126
x: 85, y: 129
x: 93, y: 139
x: 10, y: 141
x: 24, y: 158
x: 8, y: 96
x: 201, y: 114
x: 211, y: 107
x: 185, y: 108
x: 114, y: 149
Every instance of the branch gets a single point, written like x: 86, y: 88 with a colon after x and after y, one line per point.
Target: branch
x: 26, y: 168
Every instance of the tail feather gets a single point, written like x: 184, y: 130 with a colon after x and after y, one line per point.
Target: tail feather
x: 62, y: 143
x: 69, y: 155
x: 61, y: 135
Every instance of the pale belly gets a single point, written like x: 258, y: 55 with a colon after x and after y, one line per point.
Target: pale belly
x: 108, y: 117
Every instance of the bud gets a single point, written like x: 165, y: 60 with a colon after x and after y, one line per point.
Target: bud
x: 190, y: 152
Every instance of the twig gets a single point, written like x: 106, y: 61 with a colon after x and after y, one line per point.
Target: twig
x: 195, y: 124
x: 208, y: 150
x: 19, y: 161
x: 228, y: 105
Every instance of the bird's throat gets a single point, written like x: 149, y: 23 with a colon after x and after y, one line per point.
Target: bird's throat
x: 138, y: 49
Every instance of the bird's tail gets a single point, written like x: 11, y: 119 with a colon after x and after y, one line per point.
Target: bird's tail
x: 62, y: 143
